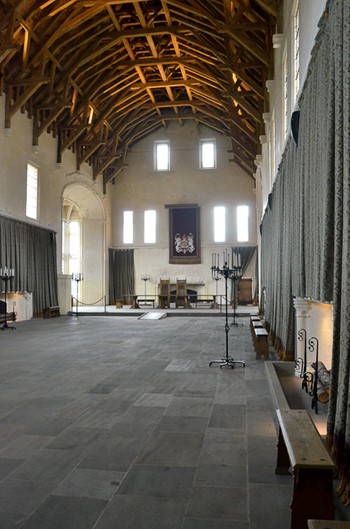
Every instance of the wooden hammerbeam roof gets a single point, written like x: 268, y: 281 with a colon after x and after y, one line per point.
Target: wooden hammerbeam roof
x: 101, y: 74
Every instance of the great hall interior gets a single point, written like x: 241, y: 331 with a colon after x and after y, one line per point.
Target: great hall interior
x: 174, y: 183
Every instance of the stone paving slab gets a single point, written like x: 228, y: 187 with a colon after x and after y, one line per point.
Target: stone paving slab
x: 120, y: 423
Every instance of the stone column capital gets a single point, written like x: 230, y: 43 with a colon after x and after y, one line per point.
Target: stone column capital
x: 302, y: 307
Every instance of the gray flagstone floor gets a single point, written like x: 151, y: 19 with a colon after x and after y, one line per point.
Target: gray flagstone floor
x: 120, y: 423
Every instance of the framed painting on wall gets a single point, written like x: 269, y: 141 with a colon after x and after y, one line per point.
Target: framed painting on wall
x: 184, y: 231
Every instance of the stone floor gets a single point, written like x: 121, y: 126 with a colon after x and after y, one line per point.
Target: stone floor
x: 120, y: 423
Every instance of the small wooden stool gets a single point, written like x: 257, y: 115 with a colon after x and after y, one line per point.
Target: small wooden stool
x: 118, y: 304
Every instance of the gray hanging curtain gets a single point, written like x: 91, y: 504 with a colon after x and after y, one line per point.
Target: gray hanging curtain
x: 247, y: 253
x: 339, y: 116
x: 305, y: 233
x: 121, y: 275
x: 31, y: 251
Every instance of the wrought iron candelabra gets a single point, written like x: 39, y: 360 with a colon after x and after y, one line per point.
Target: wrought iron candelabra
x: 215, y: 304
x: 6, y: 274
x: 77, y: 277
x: 235, y: 277
x: 227, y: 273
x: 145, y: 278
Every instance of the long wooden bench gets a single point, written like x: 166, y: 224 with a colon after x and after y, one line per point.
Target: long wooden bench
x: 146, y: 301
x: 51, y: 312
x: 254, y: 319
x: 302, y: 451
x: 255, y: 324
x: 10, y: 316
x: 259, y: 337
x: 327, y: 524
x: 261, y: 342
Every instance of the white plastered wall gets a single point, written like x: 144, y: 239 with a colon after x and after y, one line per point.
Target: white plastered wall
x: 16, y: 151
x: 139, y: 188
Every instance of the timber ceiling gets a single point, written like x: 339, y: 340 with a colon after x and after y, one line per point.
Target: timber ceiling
x: 99, y: 75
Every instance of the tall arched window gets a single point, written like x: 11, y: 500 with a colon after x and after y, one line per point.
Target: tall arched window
x: 71, y: 238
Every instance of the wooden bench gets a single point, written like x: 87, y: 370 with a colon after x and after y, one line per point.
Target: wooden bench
x: 327, y: 524
x: 302, y: 451
x: 51, y: 312
x: 10, y: 316
x: 205, y: 300
x: 261, y: 342
x: 146, y: 301
x: 255, y: 324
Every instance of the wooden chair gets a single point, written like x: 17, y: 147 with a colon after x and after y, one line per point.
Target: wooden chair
x: 181, y: 298
x: 164, y: 293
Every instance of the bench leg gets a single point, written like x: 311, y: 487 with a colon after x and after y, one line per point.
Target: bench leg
x: 261, y: 348
x: 283, y: 462
x: 312, y: 497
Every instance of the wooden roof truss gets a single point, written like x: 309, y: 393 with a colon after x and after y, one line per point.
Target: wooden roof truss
x: 100, y: 75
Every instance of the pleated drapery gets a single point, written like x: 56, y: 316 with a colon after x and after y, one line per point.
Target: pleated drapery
x: 305, y: 232
x: 31, y: 251
x: 247, y: 253
x: 121, y: 275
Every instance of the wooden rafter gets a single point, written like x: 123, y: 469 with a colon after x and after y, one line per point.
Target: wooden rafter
x: 103, y: 74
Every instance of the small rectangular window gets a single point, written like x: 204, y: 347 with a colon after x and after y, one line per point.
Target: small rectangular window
x: 32, y: 192
x: 285, y: 95
x: 150, y: 226
x: 162, y: 155
x: 128, y: 227
x: 207, y: 154
x: 242, y: 223
x: 296, y: 51
x: 219, y: 224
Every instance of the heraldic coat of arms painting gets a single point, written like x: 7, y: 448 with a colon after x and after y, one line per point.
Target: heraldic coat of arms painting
x: 184, y: 244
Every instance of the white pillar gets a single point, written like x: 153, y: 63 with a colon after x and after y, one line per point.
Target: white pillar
x: 302, y: 309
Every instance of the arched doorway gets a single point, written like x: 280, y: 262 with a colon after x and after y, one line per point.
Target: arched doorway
x: 83, y: 242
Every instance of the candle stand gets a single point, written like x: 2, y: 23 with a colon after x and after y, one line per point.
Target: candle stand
x: 77, y: 277
x: 215, y: 304
x: 236, y: 276
x: 6, y: 274
x: 227, y: 273
x: 145, y: 278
